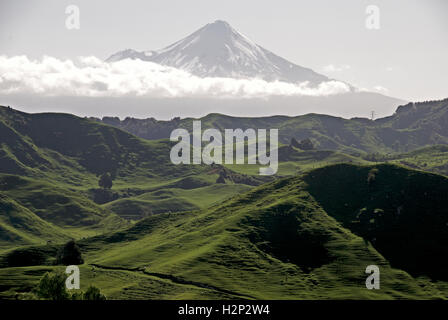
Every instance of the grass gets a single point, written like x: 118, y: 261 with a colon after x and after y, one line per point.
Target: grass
x: 173, y: 200
x: 250, y: 244
x: 19, y: 226
x: 402, y: 212
x: 412, y: 126
x: 278, y: 241
x: 58, y: 207
x: 308, y: 235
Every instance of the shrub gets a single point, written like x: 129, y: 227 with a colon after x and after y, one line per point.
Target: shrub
x: 105, y: 181
x: 52, y: 287
x: 70, y: 254
x: 306, y: 144
x: 221, y: 178
x: 93, y: 293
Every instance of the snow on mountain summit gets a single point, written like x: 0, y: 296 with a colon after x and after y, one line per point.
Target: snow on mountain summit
x: 218, y: 50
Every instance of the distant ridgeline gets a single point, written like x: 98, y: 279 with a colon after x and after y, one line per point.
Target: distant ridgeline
x: 222, y: 231
x: 413, y: 126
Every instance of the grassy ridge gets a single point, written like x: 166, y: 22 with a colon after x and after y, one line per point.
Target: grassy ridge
x: 19, y: 226
x: 404, y: 213
x: 278, y: 241
x: 173, y: 200
x: 411, y: 127
x: 308, y: 235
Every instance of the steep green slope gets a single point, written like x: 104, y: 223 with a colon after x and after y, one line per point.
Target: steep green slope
x: 309, y: 236
x: 59, y: 206
x: 404, y: 213
x: 295, y: 238
x: 96, y: 148
x: 285, y: 240
x: 77, y: 150
x: 17, y: 154
x: 62, y: 156
x: 19, y: 226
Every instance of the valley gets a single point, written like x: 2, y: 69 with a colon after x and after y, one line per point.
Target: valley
x: 347, y: 198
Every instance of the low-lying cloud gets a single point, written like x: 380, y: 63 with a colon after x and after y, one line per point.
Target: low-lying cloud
x: 92, y: 77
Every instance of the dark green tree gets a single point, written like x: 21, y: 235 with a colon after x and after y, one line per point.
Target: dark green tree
x: 93, y: 293
x: 70, y: 254
x: 294, y: 143
x: 221, y: 178
x: 306, y: 144
x: 105, y: 181
x: 52, y: 287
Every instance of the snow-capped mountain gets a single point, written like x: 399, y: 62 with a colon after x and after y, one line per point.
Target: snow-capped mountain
x: 218, y: 50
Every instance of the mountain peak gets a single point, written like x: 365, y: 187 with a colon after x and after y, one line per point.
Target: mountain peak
x: 220, y: 24
x: 219, y: 28
x: 219, y: 50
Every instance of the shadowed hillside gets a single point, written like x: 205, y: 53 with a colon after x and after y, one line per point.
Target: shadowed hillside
x: 403, y: 213
x: 291, y: 239
x: 412, y: 126
x: 50, y: 166
x: 222, y: 231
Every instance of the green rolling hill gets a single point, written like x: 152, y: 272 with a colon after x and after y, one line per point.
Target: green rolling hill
x: 294, y: 238
x: 223, y: 232
x: 413, y: 126
x: 50, y: 165
x: 19, y: 226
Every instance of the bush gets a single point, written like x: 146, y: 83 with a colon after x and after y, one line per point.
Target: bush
x: 93, y: 293
x: 221, y: 178
x: 305, y: 144
x: 294, y: 143
x: 52, y: 287
x: 70, y: 254
x: 105, y: 181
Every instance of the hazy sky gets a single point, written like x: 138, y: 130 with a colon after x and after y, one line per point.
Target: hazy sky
x: 406, y: 58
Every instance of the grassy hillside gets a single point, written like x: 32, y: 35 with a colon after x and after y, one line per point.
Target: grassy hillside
x: 432, y: 158
x: 59, y: 206
x: 50, y: 165
x: 63, y: 156
x: 94, y: 147
x: 222, y: 231
x: 285, y: 230
x: 19, y: 226
x: 174, y: 200
x: 403, y: 213
x: 294, y: 238
x: 412, y: 126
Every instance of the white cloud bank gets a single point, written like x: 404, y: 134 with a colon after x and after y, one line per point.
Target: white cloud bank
x: 92, y: 77
x: 380, y: 89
